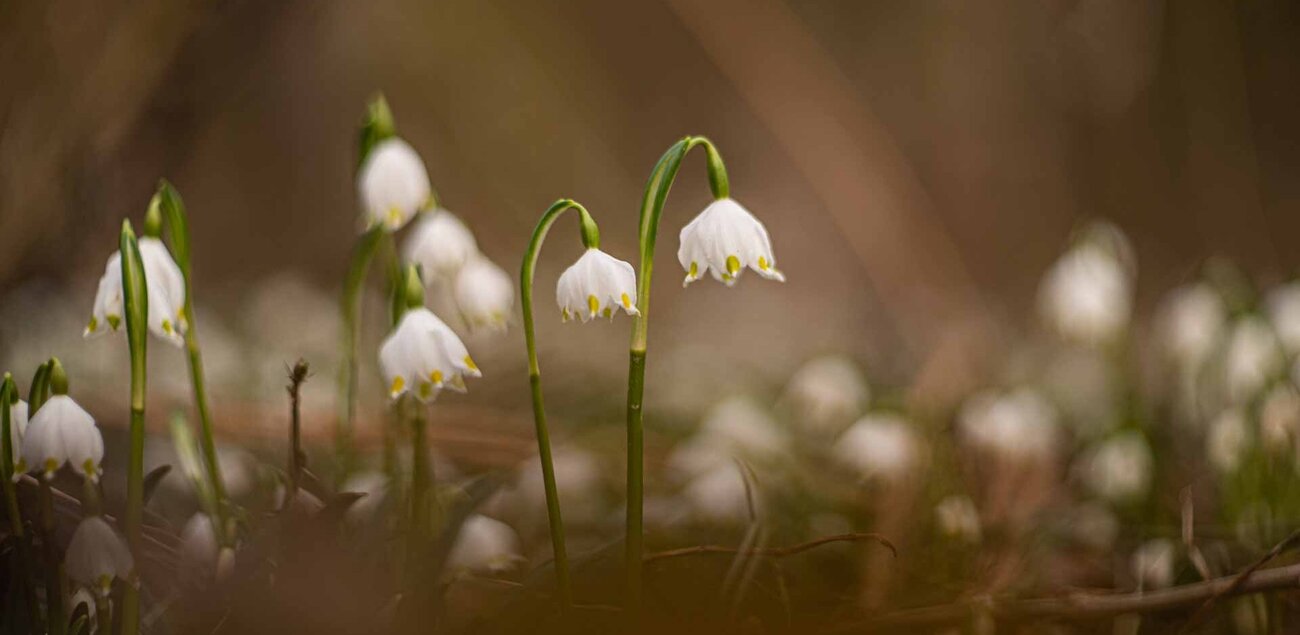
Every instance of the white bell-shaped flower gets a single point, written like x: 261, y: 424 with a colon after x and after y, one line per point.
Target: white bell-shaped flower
x: 1020, y: 425
x: 17, y: 430
x: 440, y: 243
x: 97, y: 554
x: 957, y: 518
x: 1194, y: 320
x: 424, y: 355
x: 393, y: 184
x: 1087, y: 295
x: 485, y: 294
x: 1284, y: 312
x: 164, y: 284
x: 721, y: 495
x: 199, y: 547
x: 62, y: 432
x: 1279, y: 418
x: 1153, y: 563
x: 880, y: 446
x: 1228, y: 440
x: 826, y: 393
x: 723, y: 240
x: 1254, y: 357
x: 597, y: 284
x: 1119, y: 469
x: 484, y: 544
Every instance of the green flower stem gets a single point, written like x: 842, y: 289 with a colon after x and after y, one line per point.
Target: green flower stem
x: 420, y: 483
x: 353, y: 286
x: 590, y: 238
x: 174, y: 208
x: 136, y: 311
x: 8, y: 395
x: 652, y: 207
x: 55, y: 620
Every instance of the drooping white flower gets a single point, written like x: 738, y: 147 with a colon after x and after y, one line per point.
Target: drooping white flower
x: 1284, y: 312
x: 1119, y: 469
x: 484, y: 544
x: 1228, y: 440
x: 1194, y: 320
x: 424, y: 355
x: 1279, y: 418
x: 827, y: 393
x: 97, y: 554
x: 485, y: 294
x: 164, y: 285
x: 1018, y: 425
x: 577, y: 477
x: 440, y: 243
x: 17, y: 430
x: 1153, y: 563
x: 393, y: 184
x: 958, y: 518
x: 735, y: 428
x: 1087, y: 295
x: 720, y: 495
x: 199, y: 547
x: 62, y: 432
x: 597, y: 284
x: 723, y: 240
x: 1254, y: 357
x: 880, y: 445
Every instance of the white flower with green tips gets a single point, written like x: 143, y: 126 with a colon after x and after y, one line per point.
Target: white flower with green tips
x: 423, y: 355
x: 165, y: 286
x: 96, y: 555
x: 597, y: 284
x: 723, y: 240
x: 485, y: 294
x: 440, y: 243
x: 62, y: 432
x: 393, y: 184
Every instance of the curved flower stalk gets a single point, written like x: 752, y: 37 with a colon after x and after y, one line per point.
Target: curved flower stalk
x: 723, y: 239
x: 596, y: 283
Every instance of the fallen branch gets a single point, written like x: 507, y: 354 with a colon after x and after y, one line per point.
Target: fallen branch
x: 1240, y: 579
x: 775, y: 552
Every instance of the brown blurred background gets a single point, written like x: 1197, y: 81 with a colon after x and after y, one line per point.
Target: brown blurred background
x: 919, y: 164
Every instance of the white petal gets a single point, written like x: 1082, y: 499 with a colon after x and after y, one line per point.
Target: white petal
x: 440, y: 243
x: 393, y: 184
x: 97, y: 554
x: 485, y: 293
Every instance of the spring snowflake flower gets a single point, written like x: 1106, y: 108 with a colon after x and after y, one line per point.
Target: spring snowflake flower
x: 485, y: 294
x: 1228, y: 440
x: 393, y: 184
x: 720, y: 495
x: 827, y: 393
x: 957, y: 518
x: 1279, y: 418
x: 1153, y: 564
x: 735, y: 428
x: 1020, y: 425
x: 1119, y: 469
x: 1087, y: 295
x: 17, y: 430
x: 97, y: 554
x: 373, y: 486
x: 440, y: 243
x: 1194, y: 320
x: 424, y: 355
x: 1284, y: 312
x: 723, y: 240
x: 199, y: 548
x: 880, y: 445
x: 62, y: 432
x: 596, y: 284
x: 484, y: 544
x: 1254, y: 357
x: 164, y: 284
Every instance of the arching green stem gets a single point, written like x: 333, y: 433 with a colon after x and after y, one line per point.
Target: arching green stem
x: 136, y: 310
x: 353, y: 285
x: 590, y: 238
x: 172, y: 208
x: 652, y: 207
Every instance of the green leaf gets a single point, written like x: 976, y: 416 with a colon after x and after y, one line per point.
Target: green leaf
x: 135, y: 298
x: 152, y: 479
x: 187, y: 454
x: 377, y: 126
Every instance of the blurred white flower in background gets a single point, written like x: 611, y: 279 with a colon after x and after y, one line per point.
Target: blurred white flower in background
x: 17, y: 430
x: 1279, y: 418
x: 164, y: 288
x: 485, y: 294
x: 1153, y: 564
x: 958, y: 518
x: 577, y: 477
x: 373, y: 485
x: 441, y: 244
x: 392, y: 184
x: 1019, y: 425
x: 723, y: 240
x: 720, y: 495
x: 1119, y: 468
x: 1254, y: 357
x: 62, y: 432
x: 826, y: 393
x: 1283, y: 305
x: 96, y: 555
x: 597, y: 284
x: 734, y: 428
x: 881, y: 445
x: 1227, y: 440
x: 1192, y: 322
x: 1087, y: 295
x: 199, y: 548
x: 1094, y: 525
x: 484, y: 544
x: 423, y: 355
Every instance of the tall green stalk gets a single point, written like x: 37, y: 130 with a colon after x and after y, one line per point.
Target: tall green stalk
x: 8, y: 397
x: 168, y: 201
x: 652, y: 207
x: 136, y: 310
x: 591, y: 239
